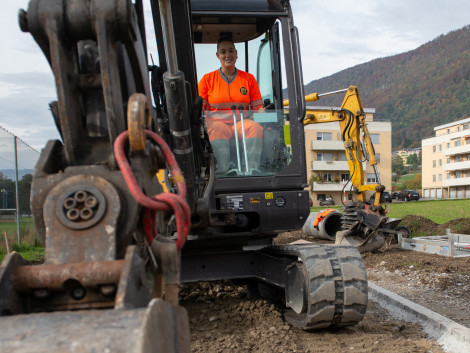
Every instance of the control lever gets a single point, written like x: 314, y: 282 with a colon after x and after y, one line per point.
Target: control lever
x: 268, y: 105
x: 240, y: 108
x: 234, y: 113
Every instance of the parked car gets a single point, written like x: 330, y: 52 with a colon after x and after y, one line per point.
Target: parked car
x: 327, y: 202
x: 408, y: 195
x: 310, y: 201
x: 386, y: 196
x: 395, y: 195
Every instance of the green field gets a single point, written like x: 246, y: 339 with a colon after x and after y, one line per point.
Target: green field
x: 406, y: 177
x: 30, y: 247
x: 437, y: 211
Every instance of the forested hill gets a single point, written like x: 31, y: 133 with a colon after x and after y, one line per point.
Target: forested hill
x: 416, y: 90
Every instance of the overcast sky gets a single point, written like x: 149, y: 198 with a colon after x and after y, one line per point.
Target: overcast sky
x: 334, y: 35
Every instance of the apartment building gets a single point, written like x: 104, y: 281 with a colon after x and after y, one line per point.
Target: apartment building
x: 446, y: 161
x: 327, y: 164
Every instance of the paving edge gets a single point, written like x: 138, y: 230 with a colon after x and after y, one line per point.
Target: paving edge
x: 453, y: 337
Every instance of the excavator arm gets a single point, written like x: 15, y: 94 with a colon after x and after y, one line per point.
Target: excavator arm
x: 355, y: 136
x: 364, y: 226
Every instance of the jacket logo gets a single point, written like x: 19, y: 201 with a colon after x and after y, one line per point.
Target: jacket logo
x: 243, y: 91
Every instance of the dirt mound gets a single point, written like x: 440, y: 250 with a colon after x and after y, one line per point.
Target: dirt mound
x: 422, y: 226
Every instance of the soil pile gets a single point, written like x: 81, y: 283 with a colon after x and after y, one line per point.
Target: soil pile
x: 424, y: 226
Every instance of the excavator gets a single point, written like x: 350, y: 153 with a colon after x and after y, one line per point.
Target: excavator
x: 363, y: 224
x: 118, y: 243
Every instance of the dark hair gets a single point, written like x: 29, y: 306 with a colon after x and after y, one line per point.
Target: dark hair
x: 225, y: 39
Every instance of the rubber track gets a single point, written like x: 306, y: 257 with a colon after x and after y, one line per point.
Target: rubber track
x: 337, y: 286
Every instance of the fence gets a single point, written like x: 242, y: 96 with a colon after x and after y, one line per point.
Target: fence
x: 17, y: 161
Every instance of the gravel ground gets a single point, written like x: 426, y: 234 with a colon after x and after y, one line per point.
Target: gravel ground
x: 439, y: 283
x: 224, y: 319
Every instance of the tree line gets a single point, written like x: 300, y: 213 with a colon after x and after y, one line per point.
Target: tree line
x: 8, y: 193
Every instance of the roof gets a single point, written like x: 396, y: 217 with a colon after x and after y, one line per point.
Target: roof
x: 458, y: 122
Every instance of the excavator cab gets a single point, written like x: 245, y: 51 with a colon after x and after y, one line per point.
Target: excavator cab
x: 243, y: 203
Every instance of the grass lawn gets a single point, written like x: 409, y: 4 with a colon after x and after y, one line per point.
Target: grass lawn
x: 30, y: 248
x: 438, y: 211
x: 406, y: 177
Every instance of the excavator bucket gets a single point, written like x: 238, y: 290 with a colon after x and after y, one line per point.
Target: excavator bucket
x: 156, y: 327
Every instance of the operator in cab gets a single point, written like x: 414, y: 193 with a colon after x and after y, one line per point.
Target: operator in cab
x: 226, y: 92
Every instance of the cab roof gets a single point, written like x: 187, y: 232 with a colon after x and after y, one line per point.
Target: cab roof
x: 242, y: 20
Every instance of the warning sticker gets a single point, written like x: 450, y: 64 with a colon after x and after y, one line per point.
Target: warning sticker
x: 268, y: 195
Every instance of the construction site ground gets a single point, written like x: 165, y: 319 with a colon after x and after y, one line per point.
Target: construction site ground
x: 224, y: 319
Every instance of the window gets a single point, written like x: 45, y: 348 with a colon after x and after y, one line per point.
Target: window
x: 434, y: 163
x: 448, y: 131
x: 440, y: 177
x: 457, y: 143
x: 321, y: 196
x: 448, y: 176
x: 440, y: 148
x: 377, y: 155
x: 324, y: 136
x: 375, y: 138
x: 433, y: 149
x: 371, y: 178
x: 345, y: 176
x: 326, y: 157
x: 342, y: 157
x: 448, y: 144
x: 440, y: 162
x: 457, y: 158
x: 327, y: 177
x: 448, y: 159
x: 434, y: 177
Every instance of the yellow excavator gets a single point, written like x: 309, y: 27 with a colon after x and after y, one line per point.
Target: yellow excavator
x: 363, y: 225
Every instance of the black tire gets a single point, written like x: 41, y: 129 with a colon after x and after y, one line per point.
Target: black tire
x: 335, y: 284
x: 404, y: 230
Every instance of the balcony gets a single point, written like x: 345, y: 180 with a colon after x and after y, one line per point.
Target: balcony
x: 330, y: 145
x: 457, y: 166
x: 457, y: 150
x: 319, y: 187
x: 456, y: 182
x: 332, y: 166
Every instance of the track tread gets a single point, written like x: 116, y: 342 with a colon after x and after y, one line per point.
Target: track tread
x: 337, y: 286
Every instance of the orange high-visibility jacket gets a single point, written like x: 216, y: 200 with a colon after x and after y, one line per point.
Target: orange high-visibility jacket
x: 219, y: 94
